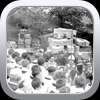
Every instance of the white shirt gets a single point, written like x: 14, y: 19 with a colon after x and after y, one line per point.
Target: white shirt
x: 76, y: 90
x: 27, y: 83
x: 87, y: 88
x: 19, y: 91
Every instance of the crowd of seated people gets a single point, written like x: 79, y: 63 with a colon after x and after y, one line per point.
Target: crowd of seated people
x: 44, y: 75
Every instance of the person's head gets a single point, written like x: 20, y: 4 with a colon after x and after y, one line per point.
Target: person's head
x: 24, y: 55
x: 80, y: 81
x: 47, y: 56
x: 71, y: 62
x: 51, y: 69
x: 51, y: 91
x: 18, y: 60
x: 41, y: 61
x: 64, y: 89
x: 36, y: 83
x: 10, y: 51
x: 15, y: 75
x: 79, y: 60
x: 37, y: 55
x: 52, y: 59
x: 89, y: 64
x: 25, y: 63
x: 35, y: 70
x: 15, y: 54
x: 60, y: 83
x: 59, y: 74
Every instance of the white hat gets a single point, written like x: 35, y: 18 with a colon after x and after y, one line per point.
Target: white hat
x: 15, y: 74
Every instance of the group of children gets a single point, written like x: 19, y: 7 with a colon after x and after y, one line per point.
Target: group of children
x: 44, y: 75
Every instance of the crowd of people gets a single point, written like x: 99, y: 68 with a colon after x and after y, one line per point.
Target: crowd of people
x: 44, y: 74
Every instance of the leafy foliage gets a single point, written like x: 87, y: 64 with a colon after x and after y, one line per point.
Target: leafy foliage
x: 42, y: 20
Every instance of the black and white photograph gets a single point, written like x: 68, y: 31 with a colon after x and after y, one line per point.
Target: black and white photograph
x: 49, y: 50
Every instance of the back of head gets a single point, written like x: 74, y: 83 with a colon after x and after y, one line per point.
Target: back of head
x: 17, y: 59
x: 41, y: 61
x: 60, y: 83
x: 52, y: 59
x: 10, y: 51
x: 15, y: 54
x: 59, y: 74
x: 24, y: 55
x: 80, y: 81
x: 64, y: 89
x: 36, y: 82
x: 25, y: 63
x: 35, y: 70
x: 51, y: 69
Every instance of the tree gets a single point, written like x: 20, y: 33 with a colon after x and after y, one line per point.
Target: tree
x: 77, y: 18
x: 35, y: 20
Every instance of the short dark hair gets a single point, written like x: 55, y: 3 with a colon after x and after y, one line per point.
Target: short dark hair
x: 80, y: 81
x: 60, y: 83
x: 37, y: 56
x: 24, y: 55
x: 36, y: 82
x: 64, y: 89
x: 35, y: 70
x: 59, y: 74
x: 15, y: 54
x: 41, y: 61
x: 51, y: 69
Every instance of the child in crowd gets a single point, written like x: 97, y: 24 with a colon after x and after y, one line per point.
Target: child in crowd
x: 14, y: 55
x: 18, y: 61
x: 52, y: 62
x: 60, y: 83
x: 9, y: 67
x: 25, y: 56
x: 10, y: 52
x: 64, y: 89
x: 38, y: 87
x: 80, y: 83
x: 59, y: 74
x: 36, y: 56
x: 15, y: 78
x: 25, y: 65
x: 49, y: 78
